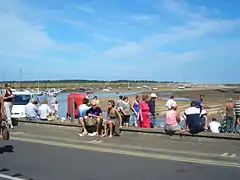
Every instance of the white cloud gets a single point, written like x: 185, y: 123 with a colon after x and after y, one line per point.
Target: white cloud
x: 78, y: 24
x: 20, y: 37
x: 176, y: 33
x: 183, y: 9
x: 23, y: 34
x: 84, y: 8
x: 140, y: 17
x: 176, y: 58
x: 101, y: 37
x: 195, y: 24
x: 126, y: 50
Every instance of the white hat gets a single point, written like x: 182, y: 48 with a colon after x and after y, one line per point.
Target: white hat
x: 153, y: 95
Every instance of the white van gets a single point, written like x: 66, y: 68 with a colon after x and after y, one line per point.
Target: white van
x: 21, y: 98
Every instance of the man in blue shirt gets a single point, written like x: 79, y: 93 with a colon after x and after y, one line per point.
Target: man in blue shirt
x: 199, y: 102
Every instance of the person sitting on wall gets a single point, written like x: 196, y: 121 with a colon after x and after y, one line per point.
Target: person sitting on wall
x: 95, y: 114
x: 31, y: 110
x: 92, y: 116
x: 44, y: 110
x: 113, y: 120
x: 196, y: 118
x: 82, y: 109
x: 172, y: 119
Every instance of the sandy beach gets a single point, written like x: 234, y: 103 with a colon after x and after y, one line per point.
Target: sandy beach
x: 213, y: 98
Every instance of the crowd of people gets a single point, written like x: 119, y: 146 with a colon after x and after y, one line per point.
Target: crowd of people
x: 41, y: 109
x: 194, y: 119
x: 118, y: 114
x: 37, y: 108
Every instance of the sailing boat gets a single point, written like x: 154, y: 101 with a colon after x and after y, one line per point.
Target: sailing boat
x: 38, y: 92
x: 129, y: 88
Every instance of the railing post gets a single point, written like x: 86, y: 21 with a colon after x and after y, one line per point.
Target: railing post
x: 73, y: 109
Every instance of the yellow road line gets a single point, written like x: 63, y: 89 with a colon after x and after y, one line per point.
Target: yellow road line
x: 130, y: 153
x: 110, y: 145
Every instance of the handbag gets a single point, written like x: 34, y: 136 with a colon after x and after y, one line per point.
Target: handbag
x: 90, y: 121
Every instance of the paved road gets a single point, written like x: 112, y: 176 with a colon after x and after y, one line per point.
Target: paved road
x: 49, y: 153
x: 45, y: 162
x: 134, y: 140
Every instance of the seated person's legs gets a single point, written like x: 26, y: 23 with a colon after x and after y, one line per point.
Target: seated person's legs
x: 82, y: 123
x: 205, y: 122
x: 105, y: 124
x: 111, y: 124
x: 174, y: 128
x: 99, y: 123
x: 198, y: 128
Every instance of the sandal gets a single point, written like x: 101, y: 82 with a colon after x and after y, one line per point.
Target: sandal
x: 104, y: 135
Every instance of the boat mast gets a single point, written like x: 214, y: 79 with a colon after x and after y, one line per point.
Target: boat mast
x: 21, y: 78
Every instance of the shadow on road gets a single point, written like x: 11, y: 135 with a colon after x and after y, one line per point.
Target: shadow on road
x: 7, y: 148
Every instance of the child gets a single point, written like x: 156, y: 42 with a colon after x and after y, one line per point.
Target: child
x: 214, y: 126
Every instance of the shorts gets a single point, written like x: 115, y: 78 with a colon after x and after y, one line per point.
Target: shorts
x: 84, y: 117
x: 173, y: 128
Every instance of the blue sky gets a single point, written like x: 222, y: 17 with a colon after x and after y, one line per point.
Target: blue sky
x: 190, y: 40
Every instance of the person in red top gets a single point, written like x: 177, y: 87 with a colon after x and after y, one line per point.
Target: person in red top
x: 144, y: 115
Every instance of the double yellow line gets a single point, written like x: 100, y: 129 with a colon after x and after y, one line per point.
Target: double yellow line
x: 131, y: 153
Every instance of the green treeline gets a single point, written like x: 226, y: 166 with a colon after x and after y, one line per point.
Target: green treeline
x: 87, y: 81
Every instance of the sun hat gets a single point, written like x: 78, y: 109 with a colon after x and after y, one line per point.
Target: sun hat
x: 153, y: 95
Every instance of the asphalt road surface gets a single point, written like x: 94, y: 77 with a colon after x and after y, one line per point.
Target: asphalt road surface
x: 42, y: 153
x: 45, y: 162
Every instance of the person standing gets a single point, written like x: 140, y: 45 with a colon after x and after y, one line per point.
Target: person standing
x: 237, y: 113
x: 152, y: 106
x: 54, y: 105
x: 169, y: 102
x: 200, y: 102
x: 119, y: 102
x: 2, y: 113
x: 8, y: 102
x: 230, y: 115
x: 125, y: 111
x: 144, y: 120
x: 95, y: 98
x: 135, y: 109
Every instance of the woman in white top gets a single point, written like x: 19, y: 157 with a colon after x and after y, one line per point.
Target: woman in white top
x: 169, y: 102
x: 44, y: 110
